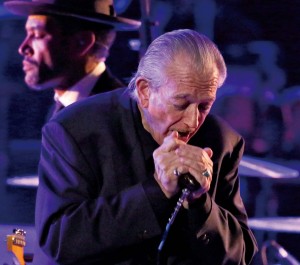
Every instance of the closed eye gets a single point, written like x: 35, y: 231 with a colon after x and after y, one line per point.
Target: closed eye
x: 204, y: 107
x: 181, y: 106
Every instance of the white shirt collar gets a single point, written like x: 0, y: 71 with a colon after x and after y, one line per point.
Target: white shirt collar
x: 82, y: 88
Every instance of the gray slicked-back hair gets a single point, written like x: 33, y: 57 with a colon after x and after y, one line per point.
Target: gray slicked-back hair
x: 161, y: 53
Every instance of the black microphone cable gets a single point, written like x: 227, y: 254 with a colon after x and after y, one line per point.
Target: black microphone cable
x: 188, y: 184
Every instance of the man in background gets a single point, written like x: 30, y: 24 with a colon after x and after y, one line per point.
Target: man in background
x: 66, y: 45
x: 65, y: 49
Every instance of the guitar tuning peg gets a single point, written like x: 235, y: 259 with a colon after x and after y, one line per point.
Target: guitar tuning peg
x: 19, y: 231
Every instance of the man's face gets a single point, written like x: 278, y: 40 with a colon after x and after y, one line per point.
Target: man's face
x: 45, y: 51
x: 181, y: 105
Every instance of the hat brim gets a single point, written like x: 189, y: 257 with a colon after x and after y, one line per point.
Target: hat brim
x: 22, y: 8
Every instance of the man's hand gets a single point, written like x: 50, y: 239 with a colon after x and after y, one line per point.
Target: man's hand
x: 175, y: 154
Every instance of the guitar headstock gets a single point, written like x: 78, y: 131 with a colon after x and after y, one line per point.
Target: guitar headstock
x: 16, y: 243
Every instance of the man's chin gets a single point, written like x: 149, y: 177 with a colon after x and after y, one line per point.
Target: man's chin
x: 40, y: 86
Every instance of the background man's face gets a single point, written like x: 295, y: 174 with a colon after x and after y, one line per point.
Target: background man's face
x: 45, y: 52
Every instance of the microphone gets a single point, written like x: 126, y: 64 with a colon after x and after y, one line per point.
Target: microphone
x: 187, y: 181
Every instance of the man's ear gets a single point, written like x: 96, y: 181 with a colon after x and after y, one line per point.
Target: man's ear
x: 143, y: 91
x: 83, y: 42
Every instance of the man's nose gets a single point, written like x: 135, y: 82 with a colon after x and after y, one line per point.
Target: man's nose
x: 191, y: 116
x: 25, y: 48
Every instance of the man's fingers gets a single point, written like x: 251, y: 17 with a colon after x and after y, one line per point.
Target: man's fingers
x: 208, y: 151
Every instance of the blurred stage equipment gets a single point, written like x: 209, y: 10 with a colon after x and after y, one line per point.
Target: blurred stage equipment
x: 145, y: 29
x: 31, y: 181
x: 254, y: 167
x: 274, y: 254
x: 265, y: 201
x: 276, y: 224
x: 121, y: 5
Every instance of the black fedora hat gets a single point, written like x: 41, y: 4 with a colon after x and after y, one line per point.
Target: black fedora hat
x: 99, y: 11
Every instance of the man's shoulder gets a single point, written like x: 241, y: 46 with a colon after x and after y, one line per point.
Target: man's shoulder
x: 217, y: 123
x: 100, y: 115
x: 107, y: 82
x: 216, y: 129
x: 217, y: 134
x: 101, y: 101
x: 97, y: 107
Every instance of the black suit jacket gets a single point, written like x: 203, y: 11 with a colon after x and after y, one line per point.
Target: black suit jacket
x: 98, y: 202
